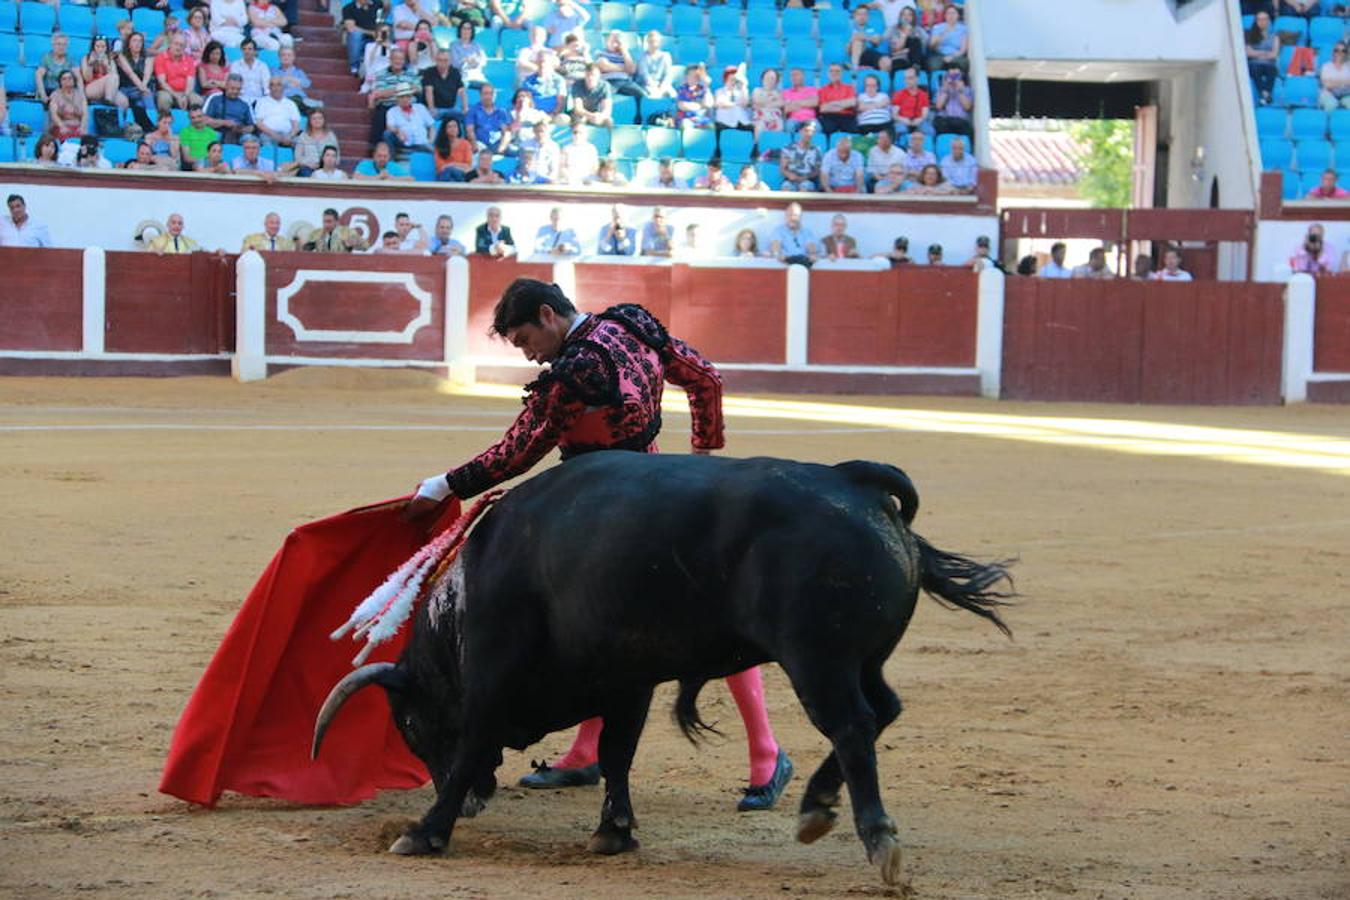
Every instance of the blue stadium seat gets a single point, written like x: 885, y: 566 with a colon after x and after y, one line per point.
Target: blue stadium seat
x: 283, y: 155
x: 20, y: 81
x: 79, y: 47
x: 654, y: 106
x: 504, y: 165
x: 625, y: 167
x: 628, y: 142
x: 770, y: 174
x: 819, y: 140
x: 6, y: 150
x: 1271, y: 121
x: 1307, y: 124
x: 724, y: 21
x: 28, y: 112
x: 1292, y: 23
x: 731, y: 51
x: 118, y: 151
x: 833, y: 25
x: 650, y: 17
x: 1275, y: 153
x: 1307, y: 181
x: 773, y: 141
x: 800, y: 53
x: 9, y: 49
x: 180, y: 118
x: 690, y: 48
x: 664, y: 142
x: 689, y: 172
x: 106, y: 19
x: 1325, y: 30
x: 36, y: 46
x: 534, y: 10
x: 77, y: 20
x: 616, y: 15
x: 512, y: 41
x: 625, y: 110
x: 1290, y: 185
x: 943, y: 145
x: 797, y: 23
x: 9, y: 16
x: 37, y: 18
x: 423, y: 166
x: 761, y: 26
x: 736, y: 146
x: 686, y: 20
x: 501, y: 74
x: 270, y: 58
x: 1313, y: 156
x: 1339, y: 122
x: 599, y: 139
x: 230, y: 152
x: 1286, y: 54
x: 765, y: 52
x: 699, y: 143
x: 769, y: 5
x: 488, y: 39
x: 1301, y: 91
x: 149, y: 22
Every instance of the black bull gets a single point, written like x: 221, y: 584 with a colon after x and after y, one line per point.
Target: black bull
x: 593, y: 582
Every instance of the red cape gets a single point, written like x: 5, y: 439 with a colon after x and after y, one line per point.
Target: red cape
x: 249, y: 723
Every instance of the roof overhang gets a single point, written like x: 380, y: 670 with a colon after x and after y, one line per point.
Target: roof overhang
x: 1102, y: 71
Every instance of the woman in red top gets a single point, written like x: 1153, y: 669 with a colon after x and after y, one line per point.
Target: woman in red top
x: 453, y: 154
x: 213, y: 71
x: 99, y: 73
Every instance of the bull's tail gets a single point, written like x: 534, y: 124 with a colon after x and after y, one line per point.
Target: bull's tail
x: 686, y: 712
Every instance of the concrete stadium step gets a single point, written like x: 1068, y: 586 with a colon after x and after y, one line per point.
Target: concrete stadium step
x: 315, y: 64
x: 336, y: 83
x: 323, y: 56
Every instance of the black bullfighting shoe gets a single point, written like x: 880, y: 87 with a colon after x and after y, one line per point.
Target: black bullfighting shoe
x: 764, y: 796
x: 545, y: 776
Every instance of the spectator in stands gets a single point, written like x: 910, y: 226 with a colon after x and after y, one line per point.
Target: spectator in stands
x: 573, y: 59
x: 1095, y: 268
x: 749, y: 179
x: 529, y: 56
x: 917, y: 158
x: 1334, y: 78
x: 213, y: 71
x: 935, y: 255
x: 930, y: 181
x: 195, y: 137
x: 266, y: 22
x: 19, y: 229
x: 767, y: 102
x: 898, y: 255
x: 468, y: 56
x: 838, y: 102
x: 1305, y: 8
x: 408, y: 126
x: 874, y: 108
x: 229, y: 113
x: 953, y: 104
x: 421, y: 50
x: 580, y: 159
x: 1026, y: 265
x: 88, y: 154
x: 731, y: 102
x: 145, y: 160
x: 403, y: 15
x: 591, y: 101
x: 960, y: 168
x: 801, y: 160
x: 45, y: 151
x: 909, y: 107
x: 1313, y: 258
x: 443, y: 90
x: 67, y: 111
x: 746, y: 245
x: 616, y: 238
x: 714, y: 179
x: 270, y: 239
x: 388, y: 245
x: 228, y: 19
x: 905, y: 47
x: 334, y: 237
x: 412, y: 236
x: 526, y: 171
x: 548, y: 87
x: 98, y: 73
x: 892, y: 182
x: 839, y: 244
x: 124, y: 30
x: 617, y: 66
x: 360, y: 25
x: 692, y: 98
x: 397, y: 78
x: 565, y: 18
x: 487, y: 125
x: 654, y: 65
x: 163, y: 143
x: 1327, y: 189
x: 294, y: 81
x: 880, y: 159
x: 172, y: 240
x: 310, y: 143
x: 554, y: 240
x: 381, y: 166
x: 135, y: 80
x: 692, y: 247
x: 252, y: 71
x: 607, y: 174
x: 792, y: 242
x: 377, y: 55
x: 55, y: 63
x: 1263, y: 51
x: 482, y: 172
x: 658, y: 237
x: 841, y: 171
x: 492, y: 238
x: 1055, y: 268
x: 867, y: 45
x: 252, y: 162
x: 546, y: 154
x: 195, y: 33
x: 508, y: 14
x: 1171, y: 270
x: 442, y: 242
x: 665, y: 179
x: 176, y: 77
x: 328, y: 165
x: 984, y: 259
x: 949, y: 42
x: 453, y: 154
x: 276, y: 115
x: 1143, y: 268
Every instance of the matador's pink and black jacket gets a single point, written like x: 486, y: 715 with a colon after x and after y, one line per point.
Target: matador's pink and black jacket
x: 603, y: 392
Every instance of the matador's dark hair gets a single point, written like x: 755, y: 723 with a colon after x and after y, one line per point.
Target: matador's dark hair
x: 521, y: 301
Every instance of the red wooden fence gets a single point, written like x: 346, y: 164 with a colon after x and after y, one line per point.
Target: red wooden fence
x: 41, y: 301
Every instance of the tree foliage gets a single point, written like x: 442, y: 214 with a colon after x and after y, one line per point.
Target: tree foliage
x: 1108, y: 161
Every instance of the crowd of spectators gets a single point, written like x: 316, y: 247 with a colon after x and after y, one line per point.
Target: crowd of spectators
x: 1097, y: 268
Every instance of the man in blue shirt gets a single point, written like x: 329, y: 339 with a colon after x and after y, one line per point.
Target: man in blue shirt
x: 792, y: 242
x: 441, y: 243
x: 381, y: 167
x: 616, y: 239
x: 554, y: 240
x: 488, y: 125
x: 229, y: 113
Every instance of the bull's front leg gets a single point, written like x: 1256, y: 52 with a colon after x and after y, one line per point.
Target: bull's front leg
x: 432, y: 834
x: 618, y: 743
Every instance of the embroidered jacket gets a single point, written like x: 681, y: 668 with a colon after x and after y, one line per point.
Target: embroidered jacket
x: 603, y: 392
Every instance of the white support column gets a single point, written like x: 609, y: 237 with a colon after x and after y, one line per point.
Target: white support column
x: 95, y: 299
x: 457, y: 363
x: 565, y: 277
x: 250, y: 318
x: 1300, y: 305
x: 798, y: 301
x: 989, y: 332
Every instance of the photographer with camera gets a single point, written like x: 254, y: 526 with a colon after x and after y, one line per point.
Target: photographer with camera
x: 953, y: 104
x: 616, y: 239
x: 1314, y: 257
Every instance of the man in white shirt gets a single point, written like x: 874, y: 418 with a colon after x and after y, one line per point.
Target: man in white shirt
x: 580, y: 159
x: 881, y: 157
x: 527, y: 58
x: 1171, y: 270
x: 19, y: 229
x: 252, y: 71
x: 408, y: 125
x: 1055, y: 267
x: 276, y: 116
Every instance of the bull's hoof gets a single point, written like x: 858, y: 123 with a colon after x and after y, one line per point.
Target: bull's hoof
x: 472, y: 806
x: 612, y: 842
x: 886, y: 856
x: 814, y: 824
x: 416, y: 844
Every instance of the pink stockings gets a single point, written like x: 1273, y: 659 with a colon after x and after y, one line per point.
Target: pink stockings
x: 747, y: 688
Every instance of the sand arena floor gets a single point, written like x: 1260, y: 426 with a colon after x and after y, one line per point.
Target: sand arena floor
x: 1171, y: 720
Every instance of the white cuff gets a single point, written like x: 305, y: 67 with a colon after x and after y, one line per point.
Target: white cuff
x: 437, y: 488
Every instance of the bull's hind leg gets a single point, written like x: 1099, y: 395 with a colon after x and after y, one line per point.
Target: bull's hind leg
x: 816, y: 817
x: 618, y: 743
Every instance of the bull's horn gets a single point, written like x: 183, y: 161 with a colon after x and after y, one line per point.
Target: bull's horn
x: 373, y: 673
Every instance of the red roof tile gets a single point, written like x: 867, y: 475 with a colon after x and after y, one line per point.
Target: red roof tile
x: 1035, y: 157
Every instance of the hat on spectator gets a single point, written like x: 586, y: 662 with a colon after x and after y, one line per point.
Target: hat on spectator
x: 982, y: 241
x: 902, y: 243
